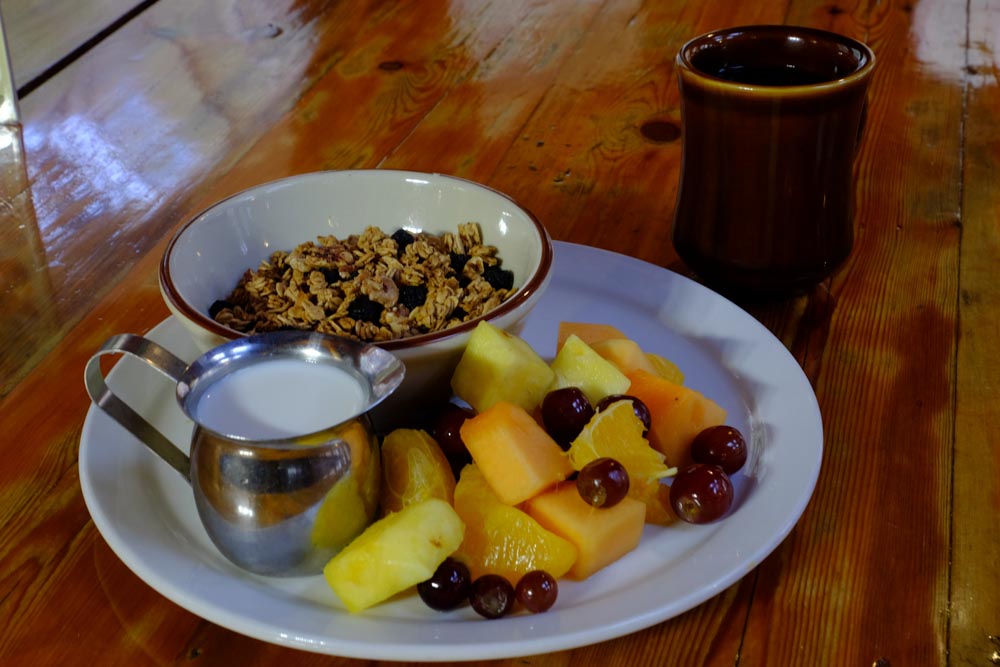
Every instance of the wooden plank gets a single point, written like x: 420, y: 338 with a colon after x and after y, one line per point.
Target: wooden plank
x: 120, y: 140
x: 603, y: 142
x: 42, y: 33
x: 866, y: 572
x: 975, y: 594
x: 23, y: 263
x: 393, y: 81
x: 8, y: 97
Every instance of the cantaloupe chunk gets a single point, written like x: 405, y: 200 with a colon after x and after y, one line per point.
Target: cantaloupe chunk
x: 601, y: 536
x: 625, y: 354
x: 394, y: 553
x: 577, y: 365
x: 515, y: 454
x: 588, y: 332
x: 498, y: 366
x: 677, y: 413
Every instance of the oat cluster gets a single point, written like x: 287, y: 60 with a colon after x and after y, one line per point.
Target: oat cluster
x: 371, y: 287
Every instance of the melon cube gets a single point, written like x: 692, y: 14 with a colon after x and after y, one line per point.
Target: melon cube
x: 498, y: 366
x: 514, y: 453
x: 625, y: 354
x: 601, y: 535
x: 578, y: 365
x: 588, y: 332
x: 394, y: 553
x: 677, y: 413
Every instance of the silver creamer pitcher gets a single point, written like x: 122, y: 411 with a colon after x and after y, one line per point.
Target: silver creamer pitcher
x: 272, y: 505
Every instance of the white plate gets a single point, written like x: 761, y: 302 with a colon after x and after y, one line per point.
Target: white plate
x: 146, y: 512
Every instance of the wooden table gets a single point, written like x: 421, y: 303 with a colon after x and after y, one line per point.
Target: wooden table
x: 135, y: 115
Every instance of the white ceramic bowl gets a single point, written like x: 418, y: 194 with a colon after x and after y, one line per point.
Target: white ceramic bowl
x: 208, y: 255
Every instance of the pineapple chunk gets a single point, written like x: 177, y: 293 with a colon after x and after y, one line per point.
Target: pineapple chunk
x: 578, y: 365
x: 498, y: 366
x: 394, y: 553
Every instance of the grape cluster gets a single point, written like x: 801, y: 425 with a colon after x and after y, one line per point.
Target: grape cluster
x: 491, y: 595
x: 700, y: 493
x: 703, y: 492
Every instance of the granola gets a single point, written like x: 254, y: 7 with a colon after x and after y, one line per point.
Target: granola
x: 371, y: 287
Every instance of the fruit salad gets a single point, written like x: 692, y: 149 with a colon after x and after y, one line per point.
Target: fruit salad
x: 539, y: 471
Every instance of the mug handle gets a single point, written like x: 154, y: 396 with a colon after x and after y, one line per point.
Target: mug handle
x: 162, y: 360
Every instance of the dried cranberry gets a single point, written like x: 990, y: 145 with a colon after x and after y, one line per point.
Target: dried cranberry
x: 498, y: 278
x: 364, y: 309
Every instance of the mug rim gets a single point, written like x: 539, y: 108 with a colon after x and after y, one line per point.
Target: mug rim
x: 862, y: 72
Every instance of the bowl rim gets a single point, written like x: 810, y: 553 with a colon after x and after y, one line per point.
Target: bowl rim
x: 535, y: 280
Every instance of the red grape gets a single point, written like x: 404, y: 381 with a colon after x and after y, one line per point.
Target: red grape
x: 723, y: 446
x: 492, y: 596
x: 537, y: 591
x: 448, y: 587
x: 701, y: 493
x: 446, y: 431
x: 603, y: 482
x: 640, y: 409
x: 564, y: 413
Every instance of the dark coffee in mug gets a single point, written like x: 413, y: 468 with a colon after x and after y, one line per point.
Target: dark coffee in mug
x: 771, y: 119
x: 769, y: 76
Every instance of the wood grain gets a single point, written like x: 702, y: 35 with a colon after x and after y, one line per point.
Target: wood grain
x: 572, y: 108
x: 121, y: 142
x: 881, y: 372
x: 42, y: 33
x: 975, y: 594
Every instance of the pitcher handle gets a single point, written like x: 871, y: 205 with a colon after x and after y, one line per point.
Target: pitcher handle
x: 162, y: 360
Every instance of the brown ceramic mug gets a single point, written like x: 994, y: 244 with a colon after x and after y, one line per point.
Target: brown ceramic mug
x: 771, y: 119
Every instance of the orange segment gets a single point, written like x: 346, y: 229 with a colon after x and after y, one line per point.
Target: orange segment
x: 502, y: 539
x: 656, y: 497
x: 413, y: 469
x: 617, y: 433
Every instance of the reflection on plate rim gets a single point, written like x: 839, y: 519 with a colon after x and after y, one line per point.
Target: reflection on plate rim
x: 544, y: 633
